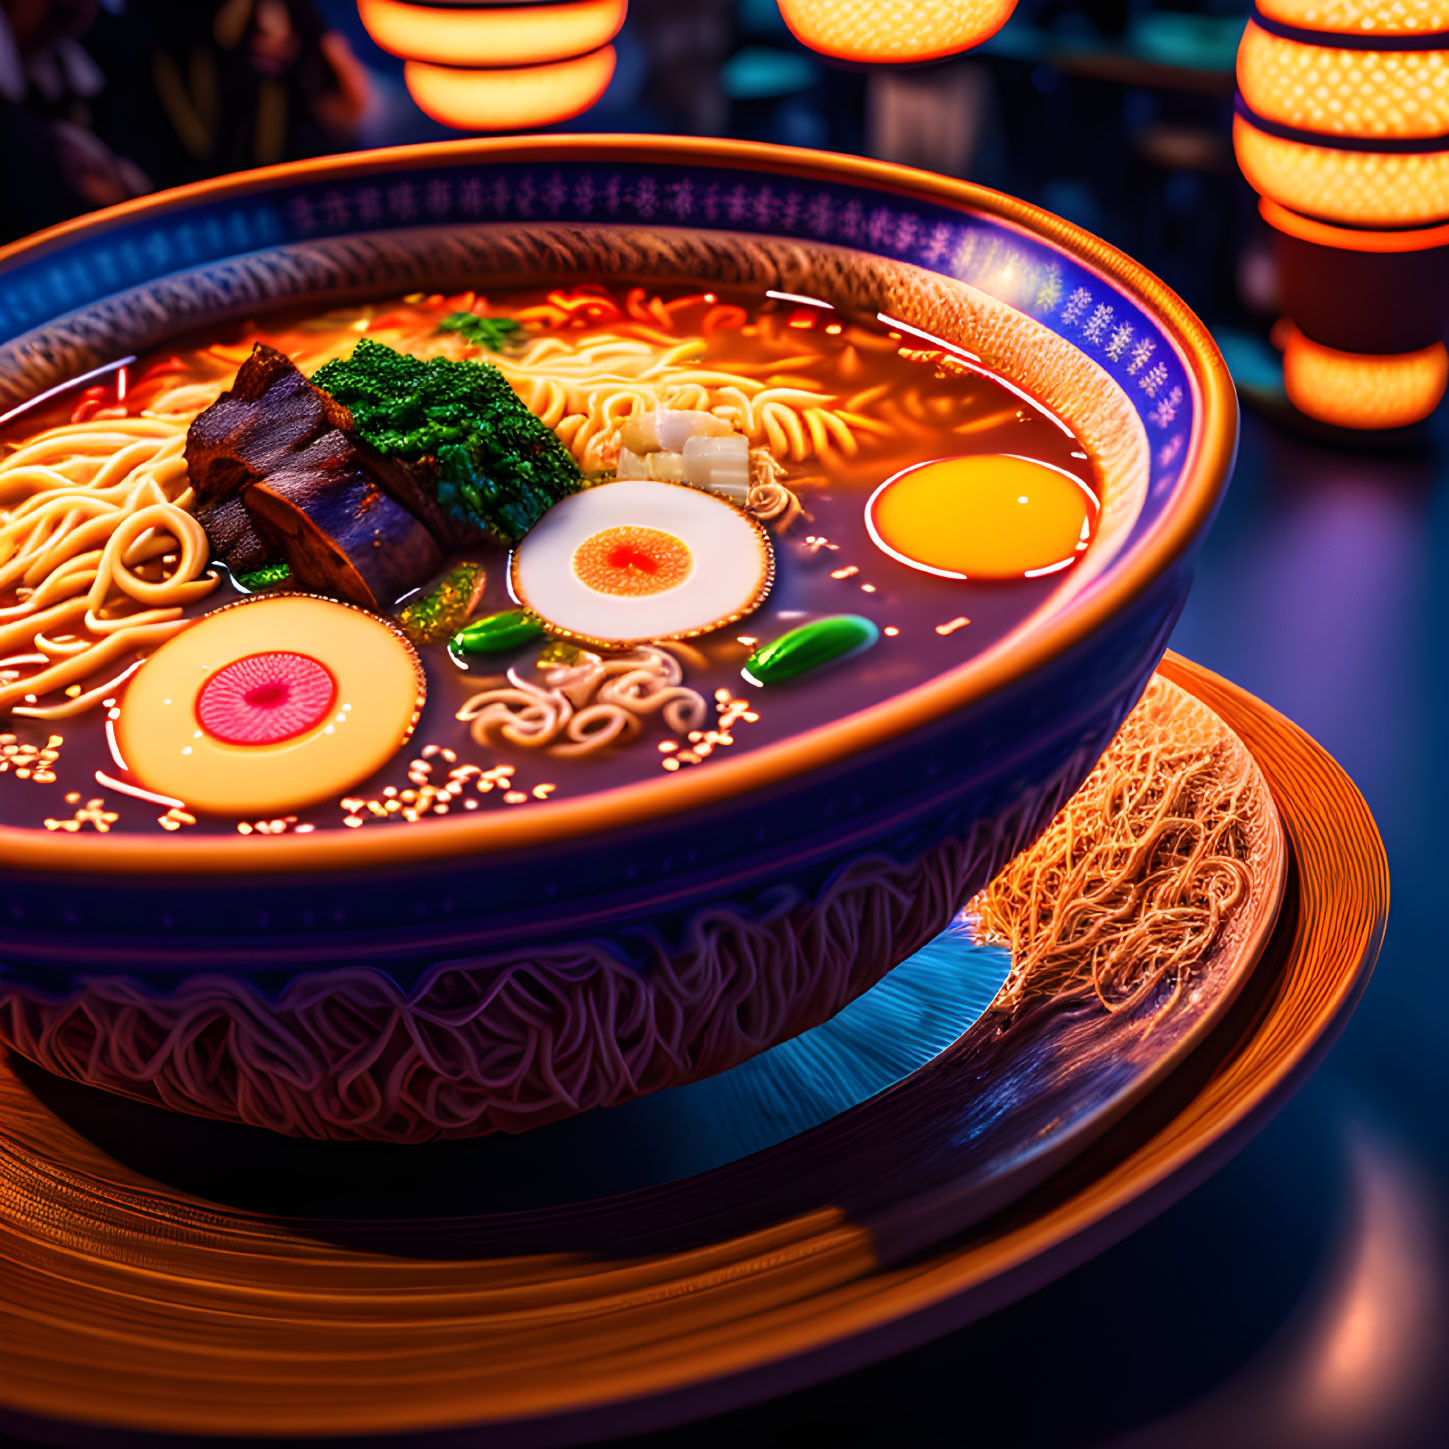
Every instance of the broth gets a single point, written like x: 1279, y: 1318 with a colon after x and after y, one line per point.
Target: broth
x: 842, y: 404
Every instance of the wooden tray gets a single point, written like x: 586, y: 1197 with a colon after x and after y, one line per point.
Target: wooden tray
x: 128, y: 1304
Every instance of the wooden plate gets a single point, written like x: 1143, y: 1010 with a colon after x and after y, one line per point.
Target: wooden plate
x: 132, y: 1304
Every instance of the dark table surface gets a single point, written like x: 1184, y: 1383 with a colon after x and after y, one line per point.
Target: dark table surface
x: 1300, y: 1296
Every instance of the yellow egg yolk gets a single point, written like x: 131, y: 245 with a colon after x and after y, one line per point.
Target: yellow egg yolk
x: 631, y: 560
x: 989, y: 517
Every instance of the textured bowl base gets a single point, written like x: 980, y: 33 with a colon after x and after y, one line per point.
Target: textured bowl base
x: 136, y: 1296
x: 506, y: 1044
x: 927, y: 1003
x: 520, y: 1042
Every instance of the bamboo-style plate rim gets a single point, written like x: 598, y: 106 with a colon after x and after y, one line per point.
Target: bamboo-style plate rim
x: 1329, y: 937
x: 1307, y: 983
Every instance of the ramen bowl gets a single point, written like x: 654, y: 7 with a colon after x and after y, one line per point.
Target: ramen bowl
x: 500, y: 969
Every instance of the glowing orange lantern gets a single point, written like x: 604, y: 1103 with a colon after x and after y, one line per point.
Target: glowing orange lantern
x: 1357, y: 390
x: 1343, y: 130
x: 503, y: 66
x: 894, y: 30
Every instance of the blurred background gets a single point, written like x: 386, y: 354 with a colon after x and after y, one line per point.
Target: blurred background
x: 1299, y: 1297
x: 1114, y: 113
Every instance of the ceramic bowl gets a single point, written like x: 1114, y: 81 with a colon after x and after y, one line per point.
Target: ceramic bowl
x: 499, y: 970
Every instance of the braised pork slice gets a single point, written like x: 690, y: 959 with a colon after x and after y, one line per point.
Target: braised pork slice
x: 279, y: 471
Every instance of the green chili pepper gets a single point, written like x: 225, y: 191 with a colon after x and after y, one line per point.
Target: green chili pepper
x: 498, y: 633
x: 810, y: 646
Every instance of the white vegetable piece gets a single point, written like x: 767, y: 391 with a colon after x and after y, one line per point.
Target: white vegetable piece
x: 720, y: 464
x: 667, y: 467
x: 668, y: 429
x: 661, y: 467
x: 631, y: 466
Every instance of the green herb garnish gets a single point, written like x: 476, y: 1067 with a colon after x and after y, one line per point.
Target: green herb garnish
x: 493, y: 333
x: 494, y: 464
x: 265, y: 577
x: 439, y: 613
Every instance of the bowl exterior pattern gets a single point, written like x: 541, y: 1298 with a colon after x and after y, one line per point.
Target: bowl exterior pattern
x: 675, y: 962
x: 453, y: 997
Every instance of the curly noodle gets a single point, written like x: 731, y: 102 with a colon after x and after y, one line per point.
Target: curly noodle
x: 633, y: 361
x: 769, y: 500
x: 581, y: 709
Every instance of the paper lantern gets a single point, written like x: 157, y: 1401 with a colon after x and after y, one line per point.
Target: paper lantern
x: 1358, y: 390
x: 1342, y: 127
x: 503, y: 66
x: 510, y: 99
x: 1358, y: 17
x: 894, y: 31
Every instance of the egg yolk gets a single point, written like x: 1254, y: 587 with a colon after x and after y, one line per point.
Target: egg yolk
x: 989, y: 517
x: 632, y: 560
